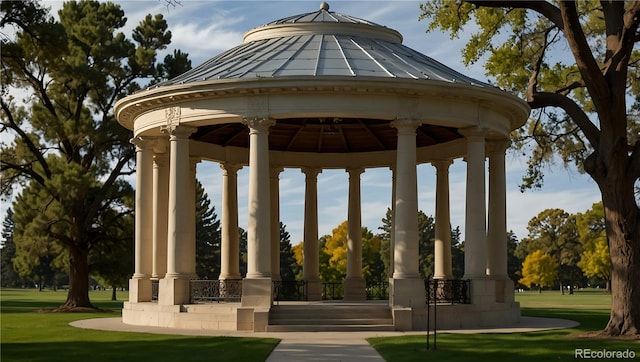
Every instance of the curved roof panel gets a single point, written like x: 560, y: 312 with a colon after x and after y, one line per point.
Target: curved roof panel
x: 322, y: 43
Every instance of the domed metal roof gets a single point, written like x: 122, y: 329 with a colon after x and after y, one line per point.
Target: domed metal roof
x: 322, y: 43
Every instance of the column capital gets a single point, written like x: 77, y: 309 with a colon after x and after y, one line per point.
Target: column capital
x: 161, y: 145
x: 178, y: 132
x: 498, y: 146
x: 311, y: 172
x: 229, y: 167
x: 258, y: 124
x: 355, y: 171
x: 473, y: 133
x: 442, y: 165
x: 143, y: 143
x: 160, y: 160
x: 406, y: 125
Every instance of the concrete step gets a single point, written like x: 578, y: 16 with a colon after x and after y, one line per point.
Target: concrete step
x: 330, y: 328
x: 330, y: 317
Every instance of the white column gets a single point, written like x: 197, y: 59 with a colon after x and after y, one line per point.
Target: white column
x: 230, y: 239
x: 406, y: 212
x: 259, y: 220
x: 475, y: 245
x: 190, y: 245
x: 408, y: 287
x: 275, y: 222
x: 174, y: 288
x: 160, y: 203
x: 354, y: 284
x: 497, y: 225
x: 442, y: 245
x: 140, y: 283
x: 392, y: 233
x: 256, y: 288
x: 310, y: 267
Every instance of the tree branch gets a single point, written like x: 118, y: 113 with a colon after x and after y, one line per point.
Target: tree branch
x: 589, y: 68
x: 546, y: 99
x: 544, y: 8
x: 27, y: 140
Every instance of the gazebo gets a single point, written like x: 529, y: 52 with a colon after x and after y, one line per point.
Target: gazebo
x: 315, y: 91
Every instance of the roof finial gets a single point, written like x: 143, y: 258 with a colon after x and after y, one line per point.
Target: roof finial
x: 324, y: 6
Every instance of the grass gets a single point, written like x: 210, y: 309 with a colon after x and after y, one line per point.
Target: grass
x: 30, y: 335
x: 590, y: 308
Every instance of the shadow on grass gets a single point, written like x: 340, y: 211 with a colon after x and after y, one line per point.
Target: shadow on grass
x: 556, y: 345
x: 590, y: 319
x: 168, y: 349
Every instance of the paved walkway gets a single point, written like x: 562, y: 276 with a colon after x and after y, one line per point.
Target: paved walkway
x: 321, y: 346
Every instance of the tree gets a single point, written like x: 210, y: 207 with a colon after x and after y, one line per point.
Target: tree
x: 581, y: 108
x: 554, y: 232
x: 595, y: 260
x: 67, y: 151
x: 540, y: 269
x: 111, y: 262
x: 9, y: 276
x: 298, y: 255
x: 207, y: 236
x: 426, y: 241
x: 514, y: 262
x: 289, y: 268
x: 333, y: 255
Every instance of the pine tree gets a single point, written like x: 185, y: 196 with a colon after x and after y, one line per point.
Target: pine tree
x: 207, y: 236
x: 68, y: 151
x: 9, y: 276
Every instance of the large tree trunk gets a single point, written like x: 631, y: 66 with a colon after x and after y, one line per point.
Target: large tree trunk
x: 78, y: 295
x: 624, y: 241
x: 609, y: 167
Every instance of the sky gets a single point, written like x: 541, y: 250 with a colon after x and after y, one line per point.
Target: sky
x: 204, y: 29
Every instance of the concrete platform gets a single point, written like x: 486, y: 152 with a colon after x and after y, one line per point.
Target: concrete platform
x: 321, y: 346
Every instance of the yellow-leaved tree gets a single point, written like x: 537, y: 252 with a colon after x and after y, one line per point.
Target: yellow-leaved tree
x: 595, y: 260
x: 539, y: 269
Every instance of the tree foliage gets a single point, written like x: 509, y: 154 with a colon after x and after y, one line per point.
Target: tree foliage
x: 289, y: 268
x: 554, y: 232
x: 595, y: 260
x: 67, y: 151
x: 583, y: 105
x: 207, y: 236
x: 540, y: 269
x: 9, y: 276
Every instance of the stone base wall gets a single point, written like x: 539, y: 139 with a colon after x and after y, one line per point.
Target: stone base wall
x: 223, y: 316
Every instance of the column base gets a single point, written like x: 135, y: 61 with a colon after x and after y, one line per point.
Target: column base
x: 257, y: 292
x: 173, y: 291
x: 139, y: 290
x: 314, y: 290
x: 354, y: 289
x: 408, y: 292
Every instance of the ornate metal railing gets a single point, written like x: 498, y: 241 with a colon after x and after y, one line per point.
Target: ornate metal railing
x: 209, y: 291
x: 289, y: 290
x: 448, y: 291
x: 155, y: 289
x: 377, y: 291
x: 332, y: 291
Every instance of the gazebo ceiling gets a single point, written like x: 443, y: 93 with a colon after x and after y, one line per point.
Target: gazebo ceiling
x: 325, y: 135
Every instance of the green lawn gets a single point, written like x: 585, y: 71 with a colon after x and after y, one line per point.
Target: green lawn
x: 589, y: 307
x: 29, y: 335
